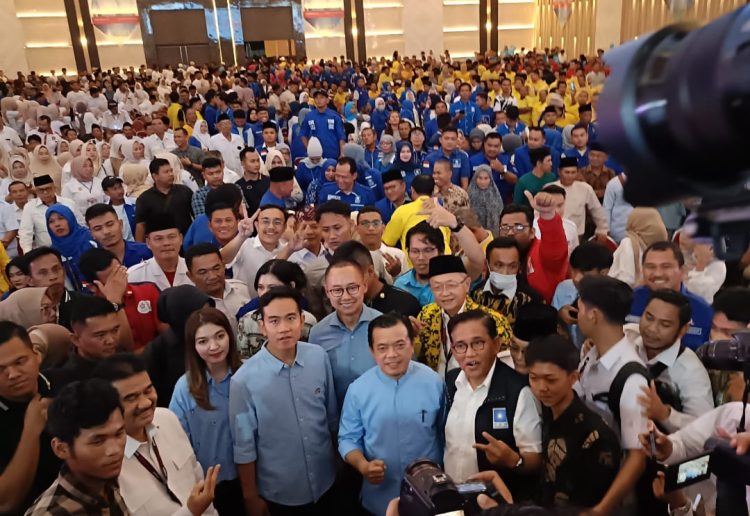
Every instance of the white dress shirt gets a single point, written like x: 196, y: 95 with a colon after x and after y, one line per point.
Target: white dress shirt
x: 9, y: 137
x: 154, y: 145
x: 623, y: 263
x: 460, y: 458
x: 145, y: 495
x: 84, y: 195
x: 596, y: 378
x: 706, y: 283
x: 32, y: 231
x: 149, y: 270
x: 249, y: 259
x: 49, y: 140
x: 393, y: 252
x: 304, y: 256
x: 686, y: 376
x: 236, y: 295
x: 229, y: 149
x: 9, y: 222
x: 580, y: 198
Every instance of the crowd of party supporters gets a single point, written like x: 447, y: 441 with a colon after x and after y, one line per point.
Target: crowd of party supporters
x: 269, y: 289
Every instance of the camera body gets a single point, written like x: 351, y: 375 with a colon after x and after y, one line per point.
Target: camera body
x: 426, y: 490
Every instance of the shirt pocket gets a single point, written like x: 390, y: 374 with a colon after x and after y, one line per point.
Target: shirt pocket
x: 427, y: 417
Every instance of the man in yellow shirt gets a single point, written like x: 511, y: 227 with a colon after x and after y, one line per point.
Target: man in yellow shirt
x: 535, y: 83
x: 174, y: 112
x: 525, y: 105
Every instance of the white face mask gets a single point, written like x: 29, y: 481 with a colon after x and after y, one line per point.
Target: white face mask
x: 503, y: 282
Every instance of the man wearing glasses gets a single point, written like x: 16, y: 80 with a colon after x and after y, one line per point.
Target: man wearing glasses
x: 449, y: 284
x: 545, y: 258
x: 493, y: 422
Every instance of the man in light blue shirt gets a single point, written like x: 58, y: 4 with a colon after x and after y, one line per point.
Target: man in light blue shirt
x: 283, y: 414
x: 423, y: 242
x: 344, y: 332
x: 616, y: 207
x: 393, y: 414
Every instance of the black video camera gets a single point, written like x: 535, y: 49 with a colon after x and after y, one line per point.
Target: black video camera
x: 727, y: 355
x: 426, y: 490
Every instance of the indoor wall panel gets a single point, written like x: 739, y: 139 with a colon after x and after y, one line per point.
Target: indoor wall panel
x: 576, y: 36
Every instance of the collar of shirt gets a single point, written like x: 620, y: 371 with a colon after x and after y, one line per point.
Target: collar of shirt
x: 387, y: 380
x: 367, y: 315
x: 667, y: 357
x: 276, y: 365
x: 258, y: 245
x: 224, y: 379
x: 463, y: 383
x: 446, y: 317
x: 410, y: 279
x: 510, y: 294
x: 613, y: 354
x: 132, y: 445
x: 79, y: 491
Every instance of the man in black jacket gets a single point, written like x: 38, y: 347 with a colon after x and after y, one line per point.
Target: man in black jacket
x: 493, y: 420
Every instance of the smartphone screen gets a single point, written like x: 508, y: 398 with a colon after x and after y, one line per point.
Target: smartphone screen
x: 688, y: 472
x: 471, y: 487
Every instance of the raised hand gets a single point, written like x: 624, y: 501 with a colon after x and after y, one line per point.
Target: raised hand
x: 116, y: 284
x: 497, y: 452
x: 542, y: 203
x: 437, y: 216
x: 202, y: 493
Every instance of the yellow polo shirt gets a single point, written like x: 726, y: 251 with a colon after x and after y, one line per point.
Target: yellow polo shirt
x: 403, y: 219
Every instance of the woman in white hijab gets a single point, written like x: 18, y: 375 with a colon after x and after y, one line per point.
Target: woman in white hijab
x: 134, y: 152
x: 201, y: 138
x: 107, y: 169
x: 76, y: 149
x: 91, y: 151
x: 19, y: 171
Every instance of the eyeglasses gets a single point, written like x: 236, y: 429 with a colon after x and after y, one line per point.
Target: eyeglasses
x: 418, y: 253
x: 515, y: 228
x: 271, y: 222
x: 461, y: 348
x: 352, y: 290
x: 449, y: 286
x: 371, y: 223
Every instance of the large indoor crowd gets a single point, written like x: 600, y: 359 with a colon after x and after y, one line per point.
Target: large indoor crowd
x: 269, y: 289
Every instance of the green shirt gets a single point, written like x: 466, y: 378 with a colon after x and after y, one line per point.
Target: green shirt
x: 531, y: 183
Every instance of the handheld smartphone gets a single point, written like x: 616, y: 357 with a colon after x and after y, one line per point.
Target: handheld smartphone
x: 472, y: 488
x: 687, y: 473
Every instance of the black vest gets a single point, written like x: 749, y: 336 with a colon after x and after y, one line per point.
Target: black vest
x: 505, y: 388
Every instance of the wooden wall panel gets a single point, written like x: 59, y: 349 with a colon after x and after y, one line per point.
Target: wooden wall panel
x: 576, y: 36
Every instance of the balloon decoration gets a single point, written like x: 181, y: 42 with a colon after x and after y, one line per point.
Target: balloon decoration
x: 563, y: 10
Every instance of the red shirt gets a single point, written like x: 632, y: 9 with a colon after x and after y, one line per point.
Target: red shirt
x: 547, y: 263
x: 140, y: 309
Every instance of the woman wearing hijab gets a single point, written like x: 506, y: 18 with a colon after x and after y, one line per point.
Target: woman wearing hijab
x: 19, y: 171
x: 91, y: 151
x: 83, y: 187
x: 181, y: 176
x: 165, y: 356
x: 76, y: 149
x: 379, y: 116
x: 70, y: 239
x: 274, y: 159
x: 404, y: 161
x: 485, y: 199
x: 135, y: 176
x: 43, y: 163
x: 107, y: 168
x: 30, y: 306
x: 387, y: 155
x: 201, y: 138
x: 644, y: 228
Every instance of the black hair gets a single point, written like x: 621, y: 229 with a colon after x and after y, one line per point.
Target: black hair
x: 579, y: 126
x: 335, y: 207
x: 33, y: 137
x: 81, y: 405
x: 211, y: 162
x: 518, y: 208
x: 450, y: 129
x: 554, y: 190
x: 433, y: 235
x: 537, y: 129
x: 537, y: 155
x: 244, y: 152
x: 9, y: 329
x: 610, y: 296
x: 493, y: 136
x: 553, y: 349
x: 423, y: 184
x: 119, y: 366
x: 174, y: 96
x: 390, y: 320
x: 97, y: 210
x: 346, y: 160
x: 344, y: 261
x: 156, y: 164
x: 285, y: 271
x: 678, y: 300
x: 503, y: 242
x: 94, y: 261
x: 37, y: 253
x: 356, y: 251
x: 368, y: 209
x: 16, y: 261
x: 281, y: 292
x: 733, y: 302
x: 442, y: 161
x: 665, y: 245
x: 202, y: 249
x: 86, y: 307
x: 473, y: 315
x: 591, y: 256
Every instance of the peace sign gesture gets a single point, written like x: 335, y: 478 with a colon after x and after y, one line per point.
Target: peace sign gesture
x: 497, y: 452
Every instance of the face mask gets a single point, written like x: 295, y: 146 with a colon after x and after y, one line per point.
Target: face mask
x: 503, y: 282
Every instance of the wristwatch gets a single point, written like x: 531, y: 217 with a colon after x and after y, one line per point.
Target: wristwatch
x: 458, y: 227
x: 520, y: 462
x: 118, y: 306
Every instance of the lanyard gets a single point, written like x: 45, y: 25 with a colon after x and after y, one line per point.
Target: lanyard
x: 162, y: 479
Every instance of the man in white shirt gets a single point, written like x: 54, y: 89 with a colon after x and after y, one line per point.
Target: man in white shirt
x: 246, y: 255
x: 227, y: 143
x: 681, y: 390
x: 161, y: 141
x: 114, y: 118
x: 45, y: 133
x: 603, y: 304
x: 9, y: 137
x: 487, y: 398
x: 206, y: 270
x: 160, y: 472
x: 76, y: 95
x: 9, y: 224
x: 370, y: 229
x: 32, y: 231
x: 167, y: 268
x: 580, y: 198
x: 96, y: 102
